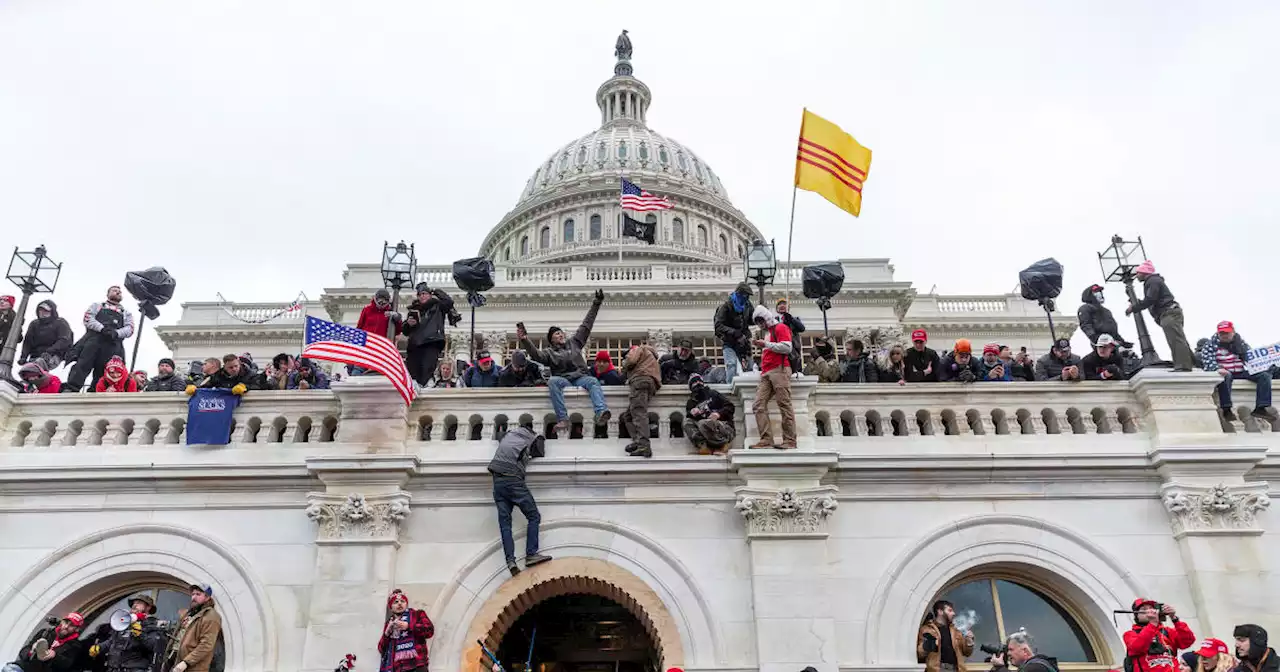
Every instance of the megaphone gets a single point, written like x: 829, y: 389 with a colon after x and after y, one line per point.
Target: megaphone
x: 121, y: 619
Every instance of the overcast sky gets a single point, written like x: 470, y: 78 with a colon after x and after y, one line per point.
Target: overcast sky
x: 254, y: 148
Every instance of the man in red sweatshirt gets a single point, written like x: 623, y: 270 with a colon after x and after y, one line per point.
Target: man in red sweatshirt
x: 775, y: 379
x: 1150, y: 646
x: 377, y: 318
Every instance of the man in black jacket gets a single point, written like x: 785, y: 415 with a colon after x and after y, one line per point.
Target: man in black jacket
x: 1023, y: 656
x: 1159, y: 301
x: 166, y: 380
x: 709, y: 423
x: 55, y: 649
x: 233, y: 375
x: 515, y: 449
x: 858, y: 366
x: 1059, y: 363
x: 920, y: 362
x: 783, y: 309
x: 137, y: 647
x: 733, y: 327
x: 107, y: 325
x: 48, y: 337
x: 1225, y: 354
x: 679, y: 365
x: 424, y: 327
x: 1095, y: 319
x: 520, y: 373
x: 1252, y: 650
x: 1105, y: 362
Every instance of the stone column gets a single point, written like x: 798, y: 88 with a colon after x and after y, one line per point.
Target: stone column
x: 358, y: 517
x: 371, y: 415
x: 745, y: 389
x: 1212, y: 508
x: 785, y: 508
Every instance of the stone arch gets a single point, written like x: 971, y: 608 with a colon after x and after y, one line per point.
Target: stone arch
x: 1090, y: 577
x: 594, y: 549
x: 567, y: 576
x: 170, y: 550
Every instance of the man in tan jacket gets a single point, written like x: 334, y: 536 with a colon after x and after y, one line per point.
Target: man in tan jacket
x: 198, y: 635
x: 643, y: 380
x: 940, y: 644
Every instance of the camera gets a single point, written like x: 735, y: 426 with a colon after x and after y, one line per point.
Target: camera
x: 993, y: 650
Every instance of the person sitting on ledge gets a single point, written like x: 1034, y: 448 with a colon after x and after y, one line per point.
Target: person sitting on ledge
x: 563, y: 356
x: 1224, y: 353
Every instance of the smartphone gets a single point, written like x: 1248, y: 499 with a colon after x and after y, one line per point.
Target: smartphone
x: 520, y: 326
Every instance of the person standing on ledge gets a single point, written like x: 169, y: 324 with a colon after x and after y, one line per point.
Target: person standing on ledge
x: 1159, y: 301
x: 643, y: 374
x: 107, y: 325
x: 940, y: 644
x: 775, y: 379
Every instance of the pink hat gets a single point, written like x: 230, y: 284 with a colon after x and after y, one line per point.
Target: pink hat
x: 1146, y: 267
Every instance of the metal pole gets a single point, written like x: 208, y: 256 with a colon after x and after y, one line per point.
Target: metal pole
x: 395, y: 302
x: 1053, y: 335
x: 9, y: 353
x: 825, y: 331
x: 791, y: 229
x: 137, y: 340
x: 1149, y: 355
x: 473, y: 333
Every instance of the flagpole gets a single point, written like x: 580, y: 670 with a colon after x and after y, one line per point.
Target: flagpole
x: 791, y: 229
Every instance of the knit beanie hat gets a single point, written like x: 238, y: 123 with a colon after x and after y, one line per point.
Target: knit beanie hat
x: 695, y: 380
x: 168, y: 361
x: 552, y: 331
x: 396, y: 595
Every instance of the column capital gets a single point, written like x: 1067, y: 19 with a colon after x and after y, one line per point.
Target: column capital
x: 1217, y: 510
x: 661, y: 340
x: 786, y: 513
x: 357, y: 519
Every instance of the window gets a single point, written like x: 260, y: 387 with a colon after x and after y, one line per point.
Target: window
x: 662, y: 155
x: 677, y: 230
x: 600, y: 152
x: 568, y: 231
x: 697, y: 168
x: 594, y: 227
x: 506, y: 253
x: 582, y: 155
x: 724, y: 244
x: 564, y: 161
x: 702, y: 236
x: 1002, y: 606
x: 644, y: 151
x: 680, y: 160
x: 544, y: 238
x: 524, y: 246
x: 742, y: 252
x: 622, y: 150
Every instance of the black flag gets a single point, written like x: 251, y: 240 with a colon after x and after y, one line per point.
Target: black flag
x: 635, y: 228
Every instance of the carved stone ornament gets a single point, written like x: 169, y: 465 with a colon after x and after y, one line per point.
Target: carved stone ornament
x: 877, y: 340
x: 660, y: 339
x: 355, y: 518
x: 1218, y: 509
x: 786, y: 513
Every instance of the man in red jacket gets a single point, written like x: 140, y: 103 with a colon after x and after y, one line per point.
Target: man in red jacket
x: 377, y: 318
x: 403, y: 646
x: 775, y: 379
x: 1151, y: 647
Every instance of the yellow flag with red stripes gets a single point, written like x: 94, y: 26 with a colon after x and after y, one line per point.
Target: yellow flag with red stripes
x: 831, y: 163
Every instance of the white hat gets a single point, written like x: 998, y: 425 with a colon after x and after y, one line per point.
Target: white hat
x: 1104, y: 339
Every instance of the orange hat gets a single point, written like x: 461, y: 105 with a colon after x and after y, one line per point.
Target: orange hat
x: 963, y: 345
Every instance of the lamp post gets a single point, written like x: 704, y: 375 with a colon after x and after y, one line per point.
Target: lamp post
x: 399, y: 265
x: 1118, y: 263
x: 32, y: 272
x: 762, y: 265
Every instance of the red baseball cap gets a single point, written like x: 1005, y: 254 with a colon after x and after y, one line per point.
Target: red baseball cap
x: 77, y: 620
x: 1225, y: 327
x: 1212, y: 647
x: 919, y: 335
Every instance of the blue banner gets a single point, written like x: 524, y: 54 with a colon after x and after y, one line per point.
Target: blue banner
x: 209, y: 414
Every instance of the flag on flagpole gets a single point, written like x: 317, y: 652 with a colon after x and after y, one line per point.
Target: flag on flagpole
x: 831, y: 163
x: 332, y: 342
x: 634, y: 228
x: 636, y: 199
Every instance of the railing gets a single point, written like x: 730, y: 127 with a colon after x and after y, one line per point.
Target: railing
x: 703, y: 271
x: 975, y: 305
x: 619, y: 273
x: 214, y: 313
x: 539, y: 274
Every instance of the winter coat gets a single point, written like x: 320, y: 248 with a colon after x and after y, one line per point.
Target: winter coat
x: 316, y: 381
x: 1092, y: 365
x: 49, y: 384
x: 124, y: 650
x: 476, y: 377
x: 515, y: 449
x: 826, y: 369
x: 1209, y: 353
x: 915, y: 363
x: 530, y: 377
x: 1141, y: 640
x: 1268, y: 662
x: 676, y: 371
x: 431, y: 320
x: 610, y: 376
x: 50, y: 335
x: 987, y: 368
x: 1156, y: 297
x: 716, y: 375
x: 109, y: 319
x: 1025, y: 372
x: 710, y: 401
x: 642, y: 362
x: 797, y: 327
x: 198, y: 637
x: 170, y: 383
x: 7, y: 320
x: 860, y: 370
x: 223, y: 380
x: 566, y: 360
x: 69, y: 656
x: 1049, y: 367
x: 420, y: 630
x: 933, y: 659
x: 887, y: 373
x: 953, y: 370
x: 376, y: 320
x: 733, y: 327
x: 1095, y: 319
x: 125, y: 383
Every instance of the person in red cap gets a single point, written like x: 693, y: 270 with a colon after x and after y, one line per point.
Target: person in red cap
x: 403, y: 645
x: 485, y: 373
x: 56, y: 649
x: 1150, y: 646
x: 920, y: 361
x: 1214, y: 656
x: 605, y: 371
x: 1224, y: 353
x: 1159, y: 301
x: 993, y: 367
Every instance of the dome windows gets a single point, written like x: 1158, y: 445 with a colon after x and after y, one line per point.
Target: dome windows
x: 544, y: 238
x: 564, y: 162
x: 568, y: 236
x: 582, y: 156
x: 702, y: 236
x: 663, y: 158
x: 644, y: 151
x: 622, y: 151
x: 697, y: 168
x: 601, y: 152
x: 677, y: 230
x: 506, y: 253
x: 682, y: 162
x: 524, y: 246
x: 724, y: 245
x: 593, y: 229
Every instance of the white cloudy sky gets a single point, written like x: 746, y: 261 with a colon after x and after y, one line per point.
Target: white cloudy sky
x: 254, y: 147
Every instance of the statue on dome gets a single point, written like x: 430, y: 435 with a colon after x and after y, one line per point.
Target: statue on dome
x: 622, y: 50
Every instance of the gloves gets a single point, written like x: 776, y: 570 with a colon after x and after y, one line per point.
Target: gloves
x: 136, y: 628
x: 94, y: 651
x: 930, y: 643
x: 191, y: 389
x: 180, y: 667
x: 239, y: 389
x: 599, y: 296
x: 394, y: 317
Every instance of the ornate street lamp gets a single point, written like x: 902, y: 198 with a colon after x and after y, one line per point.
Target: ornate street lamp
x: 399, y: 266
x: 1118, y: 263
x: 762, y: 265
x: 32, y: 272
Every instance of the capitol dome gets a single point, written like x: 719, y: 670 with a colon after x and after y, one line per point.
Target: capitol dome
x: 569, y: 209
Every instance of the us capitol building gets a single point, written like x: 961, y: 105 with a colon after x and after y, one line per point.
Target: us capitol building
x: 1043, y: 506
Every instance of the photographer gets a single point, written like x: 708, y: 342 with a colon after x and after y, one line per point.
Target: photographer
x: 57, y: 648
x: 137, y: 646
x: 107, y: 325
x: 940, y: 644
x: 424, y: 327
x: 1150, y: 646
x: 403, y: 645
x: 1022, y: 655
x: 732, y: 325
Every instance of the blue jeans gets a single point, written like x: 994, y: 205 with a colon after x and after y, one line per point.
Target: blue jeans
x: 732, y: 365
x: 509, y: 492
x: 589, y: 383
x: 1263, y: 381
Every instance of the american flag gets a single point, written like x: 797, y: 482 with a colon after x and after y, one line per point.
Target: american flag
x: 335, y: 343
x: 636, y: 199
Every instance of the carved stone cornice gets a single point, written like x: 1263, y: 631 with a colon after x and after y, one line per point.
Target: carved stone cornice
x: 355, y: 519
x: 786, y: 513
x: 1215, y: 510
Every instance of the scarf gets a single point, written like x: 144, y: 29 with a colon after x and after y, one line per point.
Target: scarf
x: 63, y: 640
x: 739, y: 302
x: 401, y: 646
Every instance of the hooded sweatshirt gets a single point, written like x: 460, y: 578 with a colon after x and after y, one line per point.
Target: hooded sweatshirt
x: 777, y: 337
x: 1096, y: 319
x: 50, y: 334
x: 116, y: 378
x: 43, y: 383
x: 1156, y: 297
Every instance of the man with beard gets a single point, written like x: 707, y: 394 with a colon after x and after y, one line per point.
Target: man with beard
x: 135, y: 648
x: 165, y: 380
x: 939, y: 643
x: 679, y: 365
x: 1252, y: 650
x: 55, y: 650
x: 107, y: 325
x: 198, y: 635
x: 709, y: 423
x: 732, y: 324
x: 424, y: 327
x: 48, y: 337
x: 403, y: 645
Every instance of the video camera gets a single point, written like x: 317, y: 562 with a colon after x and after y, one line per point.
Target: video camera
x: 993, y: 650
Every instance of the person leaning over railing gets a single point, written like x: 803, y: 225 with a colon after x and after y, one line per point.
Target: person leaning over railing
x: 520, y: 373
x: 858, y: 365
x: 993, y: 368
x: 1059, y: 363
x: 822, y: 363
x: 1104, y: 362
x: 959, y: 365
x: 232, y: 376
x: 307, y: 377
x: 165, y: 380
x: 891, y: 367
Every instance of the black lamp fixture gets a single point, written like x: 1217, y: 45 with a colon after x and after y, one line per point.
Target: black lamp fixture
x: 1118, y: 263
x: 33, y: 272
x: 762, y: 265
x: 399, y: 266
